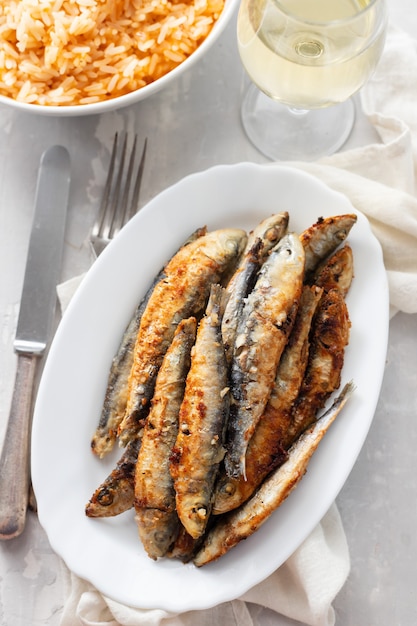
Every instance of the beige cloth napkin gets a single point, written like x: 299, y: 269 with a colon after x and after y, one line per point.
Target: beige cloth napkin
x: 380, y: 181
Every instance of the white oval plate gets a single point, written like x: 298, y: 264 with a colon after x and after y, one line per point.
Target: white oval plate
x: 108, y: 552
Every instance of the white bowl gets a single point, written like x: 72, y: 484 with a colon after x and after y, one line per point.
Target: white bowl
x: 134, y: 96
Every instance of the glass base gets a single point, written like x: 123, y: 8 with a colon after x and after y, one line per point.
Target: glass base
x: 283, y: 134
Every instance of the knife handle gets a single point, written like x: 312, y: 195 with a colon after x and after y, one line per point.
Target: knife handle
x: 14, y: 461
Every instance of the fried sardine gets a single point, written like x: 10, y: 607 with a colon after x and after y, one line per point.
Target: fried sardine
x: 264, y: 327
x: 156, y: 515
x: 260, y: 243
x: 203, y: 418
x: 247, y: 519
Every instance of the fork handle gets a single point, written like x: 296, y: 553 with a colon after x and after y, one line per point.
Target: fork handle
x: 14, y: 461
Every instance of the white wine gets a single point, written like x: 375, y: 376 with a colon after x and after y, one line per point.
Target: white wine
x: 310, y: 54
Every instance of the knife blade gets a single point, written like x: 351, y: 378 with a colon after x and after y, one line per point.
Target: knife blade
x: 36, y: 314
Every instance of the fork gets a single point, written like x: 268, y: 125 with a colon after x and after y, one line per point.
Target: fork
x: 119, y: 203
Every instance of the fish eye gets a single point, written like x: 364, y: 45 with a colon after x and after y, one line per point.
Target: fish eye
x: 105, y: 497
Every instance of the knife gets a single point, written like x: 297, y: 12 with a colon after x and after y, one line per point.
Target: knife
x: 37, y: 309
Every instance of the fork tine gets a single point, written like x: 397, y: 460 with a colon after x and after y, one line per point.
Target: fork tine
x: 138, y: 180
x: 124, y: 214
x: 98, y: 228
x: 114, y: 224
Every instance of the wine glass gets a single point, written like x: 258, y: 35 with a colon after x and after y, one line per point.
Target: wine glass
x: 306, y: 58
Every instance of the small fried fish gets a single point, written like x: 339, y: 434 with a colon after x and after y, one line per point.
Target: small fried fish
x: 199, y: 448
x: 323, y: 237
x: 260, y: 242
x: 329, y: 338
x: 116, y: 494
x: 264, y: 327
x: 156, y: 517
x: 247, y: 519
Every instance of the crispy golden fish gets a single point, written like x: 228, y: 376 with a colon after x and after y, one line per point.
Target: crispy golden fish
x: 156, y: 516
x: 323, y: 237
x: 247, y: 519
x: 268, y: 447
x: 329, y: 338
x: 115, y: 399
x: 260, y: 242
x: 203, y: 417
x: 264, y: 327
x: 182, y: 293
x: 116, y: 493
